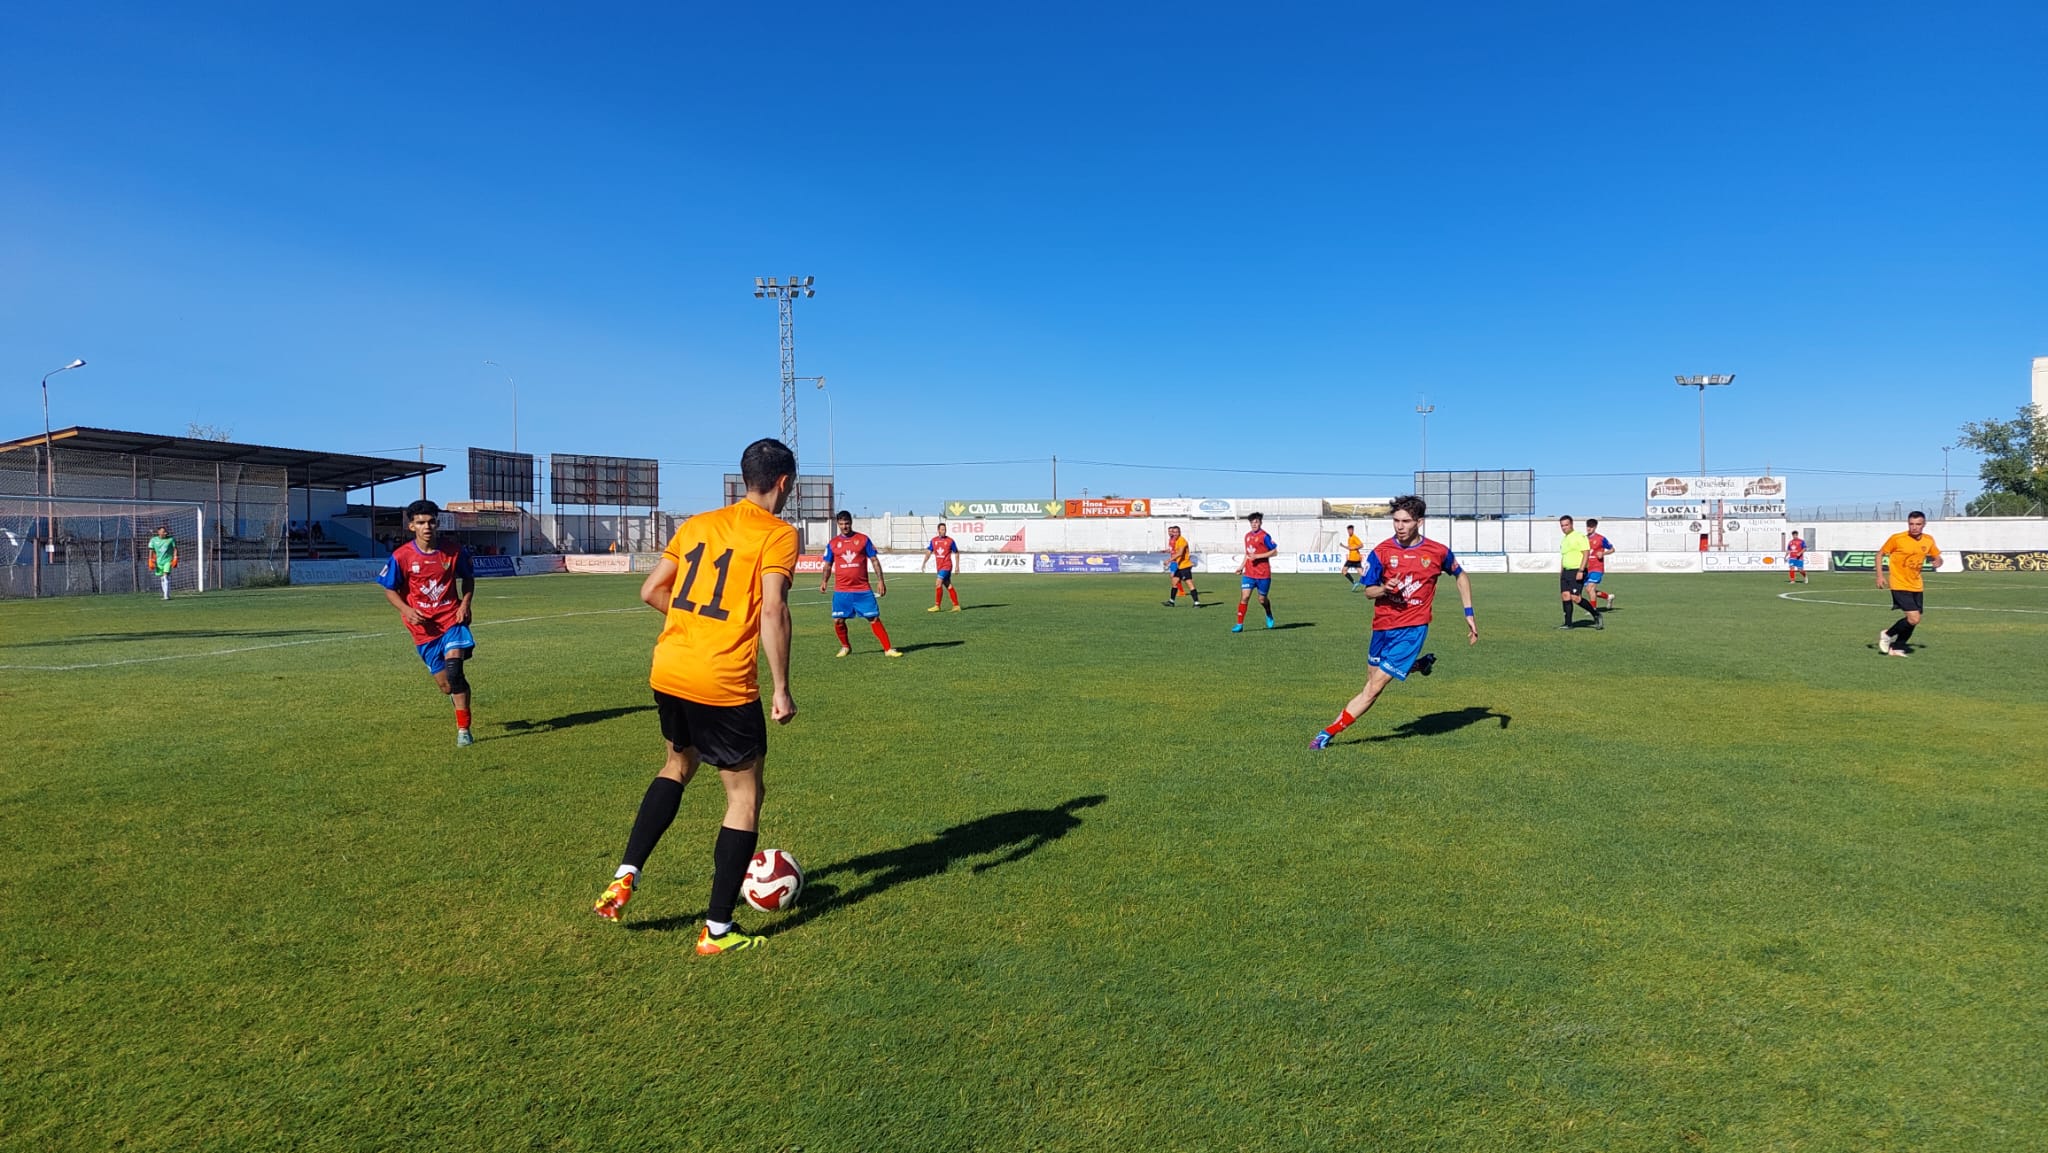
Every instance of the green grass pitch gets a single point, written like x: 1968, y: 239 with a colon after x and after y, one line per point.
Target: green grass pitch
x: 1720, y: 877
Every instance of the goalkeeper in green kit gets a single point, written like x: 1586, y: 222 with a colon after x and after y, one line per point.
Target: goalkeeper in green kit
x: 163, y: 557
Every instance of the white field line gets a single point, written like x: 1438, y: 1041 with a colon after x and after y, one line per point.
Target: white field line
x: 1886, y: 604
x: 284, y: 645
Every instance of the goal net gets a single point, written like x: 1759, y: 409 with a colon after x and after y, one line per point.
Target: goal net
x: 68, y: 547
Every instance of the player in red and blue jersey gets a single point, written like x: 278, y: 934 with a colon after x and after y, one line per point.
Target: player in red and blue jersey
x: 431, y: 587
x: 1256, y: 571
x: 847, y: 557
x: 1598, y: 548
x: 1400, y: 576
x: 942, y: 549
x: 1795, y: 560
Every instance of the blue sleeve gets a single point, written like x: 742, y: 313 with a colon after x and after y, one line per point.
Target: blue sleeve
x: 1269, y: 541
x: 869, y: 542
x: 389, y: 578
x: 464, y: 570
x: 932, y: 546
x: 1451, y: 565
x: 1372, y: 569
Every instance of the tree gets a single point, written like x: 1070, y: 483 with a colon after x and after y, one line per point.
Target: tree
x: 2015, y: 468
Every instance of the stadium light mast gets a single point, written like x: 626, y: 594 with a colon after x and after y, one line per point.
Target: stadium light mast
x: 1703, y: 383
x: 49, y: 460
x: 1423, y: 410
x: 785, y: 296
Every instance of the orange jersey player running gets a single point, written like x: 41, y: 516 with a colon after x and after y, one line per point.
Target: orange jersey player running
x: 1905, y: 553
x: 847, y: 557
x: 1354, y: 555
x: 722, y: 587
x: 945, y: 550
x: 1180, y: 562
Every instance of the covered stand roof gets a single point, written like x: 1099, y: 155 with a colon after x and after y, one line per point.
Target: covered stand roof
x: 342, y: 472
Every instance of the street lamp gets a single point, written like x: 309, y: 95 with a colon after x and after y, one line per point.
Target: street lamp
x: 1424, y: 409
x: 515, y: 400
x: 49, y: 462
x: 1703, y: 383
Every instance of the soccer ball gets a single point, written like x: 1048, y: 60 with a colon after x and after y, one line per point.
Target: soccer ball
x: 774, y: 880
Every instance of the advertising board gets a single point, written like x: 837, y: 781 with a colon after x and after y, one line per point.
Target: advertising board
x: 613, y: 562
x: 1109, y: 506
x: 2005, y: 561
x: 1010, y: 509
x: 1320, y: 562
x: 1699, y: 488
x: 1069, y: 562
x: 1742, y: 561
x: 987, y: 535
x: 1008, y: 562
x: 493, y: 566
x: 1488, y: 562
x: 334, y: 572
x: 1362, y: 506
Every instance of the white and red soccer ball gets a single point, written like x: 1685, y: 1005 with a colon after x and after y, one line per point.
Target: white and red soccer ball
x: 774, y: 881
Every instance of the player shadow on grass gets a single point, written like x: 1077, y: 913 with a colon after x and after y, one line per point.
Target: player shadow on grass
x: 928, y: 645
x: 1002, y: 837
x: 1294, y: 625
x: 166, y: 634
x: 571, y: 720
x: 1437, y: 724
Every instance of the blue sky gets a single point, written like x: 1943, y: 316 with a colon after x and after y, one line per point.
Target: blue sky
x: 1193, y: 237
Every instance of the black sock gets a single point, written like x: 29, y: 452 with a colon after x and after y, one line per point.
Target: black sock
x: 1568, y: 612
x: 1902, y: 632
x: 657, y: 812
x: 1173, y: 592
x: 730, y: 856
x: 1268, y: 606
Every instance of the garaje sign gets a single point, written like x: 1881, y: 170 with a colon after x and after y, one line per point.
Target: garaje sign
x: 1110, y: 506
x: 1715, y: 488
x: 1003, y: 508
x: 1313, y: 562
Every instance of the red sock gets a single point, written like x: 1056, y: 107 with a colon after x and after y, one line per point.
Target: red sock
x: 881, y: 634
x: 1342, y: 722
x: 840, y: 628
x: 938, y: 595
x: 461, y: 718
x: 1240, y: 611
x: 955, y: 594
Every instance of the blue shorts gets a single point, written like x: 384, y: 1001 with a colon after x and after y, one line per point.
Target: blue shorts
x: 1797, y: 562
x: 1593, y: 577
x: 945, y: 576
x: 1393, y: 651
x: 1261, y: 585
x: 860, y: 604
x: 435, y: 652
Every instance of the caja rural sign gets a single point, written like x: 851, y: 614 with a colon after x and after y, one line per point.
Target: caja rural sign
x: 1006, y: 509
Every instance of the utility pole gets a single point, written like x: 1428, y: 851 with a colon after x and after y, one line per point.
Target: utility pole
x: 1703, y: 383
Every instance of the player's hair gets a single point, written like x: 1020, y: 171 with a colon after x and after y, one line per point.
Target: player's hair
x: 1564, y: 516
x: 163, y: 528
x: 1258, y: 516
x: 1349, y: 527
x: 1411, y: 504
x: 1173, y: 528
x: 764, y: 462
x: 421, y: 508
x: 1914, y: 513
x: 844, y: 515
x: 1592, y: 522
x: 942, y: 524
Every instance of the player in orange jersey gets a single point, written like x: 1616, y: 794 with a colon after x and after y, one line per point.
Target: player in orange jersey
x: 722, y: 587
x: 1905, y: 553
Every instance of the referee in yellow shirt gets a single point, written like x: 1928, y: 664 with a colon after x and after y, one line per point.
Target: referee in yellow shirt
x: 1571, y: 572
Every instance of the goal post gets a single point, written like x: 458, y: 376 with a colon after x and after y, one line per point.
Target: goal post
x: 67, y: 546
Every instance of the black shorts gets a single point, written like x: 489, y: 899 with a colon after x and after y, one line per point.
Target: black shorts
x: 1185, y: 575
x: 725, y: 736
x: 1569, y: 581
x: 1354, y: 564
x: 1906, y: 602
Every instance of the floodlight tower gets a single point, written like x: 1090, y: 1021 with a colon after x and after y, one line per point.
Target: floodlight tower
x: 1423, y: 410
x: 785, y: 296
x: 1703, y: 383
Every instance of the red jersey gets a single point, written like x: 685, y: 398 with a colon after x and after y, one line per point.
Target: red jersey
x: 428, y: 583
x: 1257, y: 541
x: 848, y: 555
x: 1597, y: 546
x: 1796, y: 550
x: 1409, y: 575
x: 942, y: 549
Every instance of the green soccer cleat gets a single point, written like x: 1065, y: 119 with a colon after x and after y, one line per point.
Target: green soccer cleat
x: 733, y: 939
